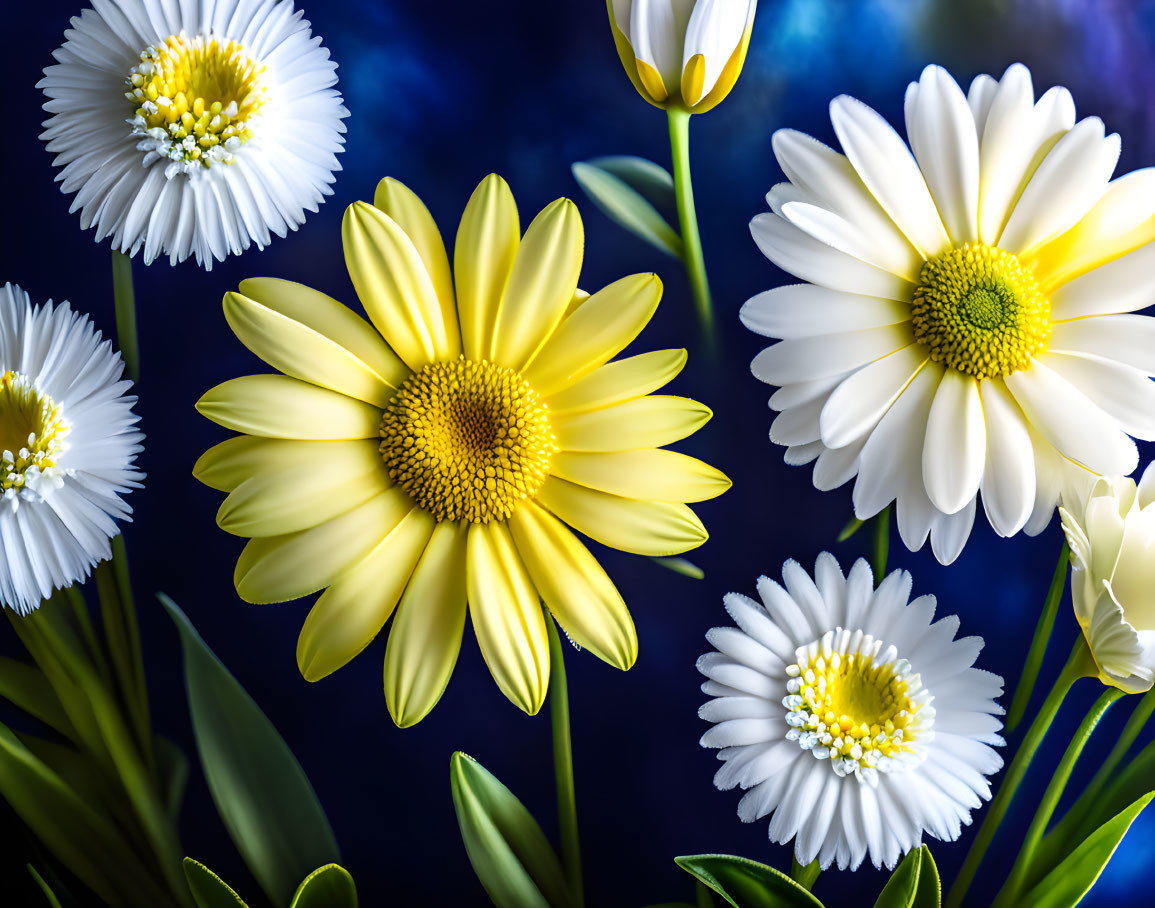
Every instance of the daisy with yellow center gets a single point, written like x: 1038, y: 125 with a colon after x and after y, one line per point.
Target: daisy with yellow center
x: 193, y: 128
x: 966, y: 326
x: 849, y: 714
x: 438, y: 459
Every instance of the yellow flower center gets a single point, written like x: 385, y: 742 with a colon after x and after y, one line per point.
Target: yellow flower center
x: 195, y: 100
x: 978, y: 310
x: 32, y: 434
x: 467, y: 440
x: 857, y: 704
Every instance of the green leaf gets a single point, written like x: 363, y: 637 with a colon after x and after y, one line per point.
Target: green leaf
x: 25, y: 686
x: 650, y: 179
x: 625, y: 205
x: 509, y: 852
x: 745, y: 883
x: 49, y: 895
x: 1066, y: 885
x: 209, y: 890
x: 172, y: 768
x: 682, y: 566
x: 261, y: 793
x: 673, y: 905
x: 914, y: 883
x: 852, y: 527
x: 326, y: 887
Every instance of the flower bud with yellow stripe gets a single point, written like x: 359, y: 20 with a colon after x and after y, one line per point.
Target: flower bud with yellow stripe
x: 682, y: 54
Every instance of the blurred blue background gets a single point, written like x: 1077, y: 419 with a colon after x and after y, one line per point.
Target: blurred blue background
x: 441, y: 94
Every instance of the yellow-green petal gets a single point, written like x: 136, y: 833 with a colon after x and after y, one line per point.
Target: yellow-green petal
x: 329, y: 317
x: 507, y: 616
x: 300, y: 350
x: 403, y: 205
x: 277, y: 406
x: 657, y: 528
x: 645, y: 422
x: 574, y: 586
x: 226, y: 465
x: 597, y: 330
x: 541, y: 285
x: 647, y: 473
x: 426, y: 634
x: 394, y: 287
x: 274, y: 502
x: 350, y: 613
x: 483, y: 257
x: 621, y: 380
x: 279, y: 568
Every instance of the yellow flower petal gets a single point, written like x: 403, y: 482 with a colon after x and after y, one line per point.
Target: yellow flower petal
x: 326, y: 316
x: 279, y: 568
x: 401, y: 204
x: 507, y: 616
x: 730, y: 71
x: 483, y: 256
x: 598, y: 329
x: 647, y: 473
x: 299, y: 350
x: 277, y: 406
x: 227, y: 465
x: 426, y: 634
x: 395, y: 288
x: 349, y: 614
x: 310, y: 491
x: 621, y: 380
x: 643, y: 527
x: 579, y: 297
x: 626, y: 54
x: 646, y: 422
x: 541, y: 285
x: 574, y: 586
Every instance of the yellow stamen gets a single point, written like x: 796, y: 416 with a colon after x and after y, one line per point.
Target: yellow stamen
x: 32, y: 434
x: 467, y: 439
x: 977, y: 309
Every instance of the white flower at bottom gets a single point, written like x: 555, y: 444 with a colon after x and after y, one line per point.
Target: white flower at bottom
x: 851, y: 716
x: 68, y: 442
x: 195, y: 128
x: 1112, y: 537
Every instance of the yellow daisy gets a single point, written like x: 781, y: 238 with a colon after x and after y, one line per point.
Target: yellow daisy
x: 440, y: 456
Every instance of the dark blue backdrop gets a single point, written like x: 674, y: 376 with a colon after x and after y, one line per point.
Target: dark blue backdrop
x: 440, y: 95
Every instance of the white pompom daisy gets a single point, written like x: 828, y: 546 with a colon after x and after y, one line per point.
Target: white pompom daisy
x: 844, y: 711
x: 194, y: 128
x: 68, y: 443
x: 963, y: 326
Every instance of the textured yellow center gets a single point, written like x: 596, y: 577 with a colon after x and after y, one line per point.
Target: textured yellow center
x: 859, y: 707
x: 467, y: 440
x: 32, y: 433
x: 195, y: 98
x: 978, y: 310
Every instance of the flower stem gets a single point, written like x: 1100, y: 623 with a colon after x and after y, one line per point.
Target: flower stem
x: 881, y: 543
x: 563, y: 763
x: 125, y: 299
x: 1078, y: 666
x: 1046, y: 809
x: 804, y: 876
x: 1038, y: 650
x: 692, y: 258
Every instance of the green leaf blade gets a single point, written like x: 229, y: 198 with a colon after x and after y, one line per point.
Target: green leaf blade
x: 330, y: 886
x: 746, y: 884
x: 209, y: 890
x: 627, y: 207
x: 914, y: 883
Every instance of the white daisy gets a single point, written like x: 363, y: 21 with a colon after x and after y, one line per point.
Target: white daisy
x: 849, y: 715
x: 68, y: 442
x: 193, y: 128
x: 961, y: 329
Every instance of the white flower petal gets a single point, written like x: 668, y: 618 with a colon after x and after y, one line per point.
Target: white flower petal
x: 956, y: 443
x: 1008, y: 484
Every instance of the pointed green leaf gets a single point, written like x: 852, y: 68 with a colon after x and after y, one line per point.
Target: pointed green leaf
x: 683, y: 566
x: 509, y: 852
x: 649, y: 179
x: 209, y: 890
x: 852, y: 527
x: 25, y: 686
x: 627, y: 207
x: 1066, y: 885
x: 747, y: 884
x: 914, y: 883
x: 261, y: 793
x: 172, y: 767
x: 49, y: 895
x: 330, y: 886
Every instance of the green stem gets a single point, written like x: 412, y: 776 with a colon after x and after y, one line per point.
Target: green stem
x: 1078, y: 666
x: 1046, y: 809
x: 1038, y: 650
x: 125, y: 299
x: 804, y: 876
x: 563, y: 763
x: 703, y: 896
x: 695, y: 262
x: 881, y: 543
